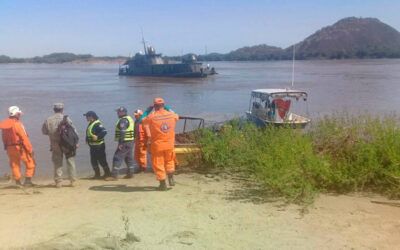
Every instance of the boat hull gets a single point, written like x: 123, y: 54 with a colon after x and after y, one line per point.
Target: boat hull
x: 165, y: 70
x: 184, y: 74
x: 264, y: 123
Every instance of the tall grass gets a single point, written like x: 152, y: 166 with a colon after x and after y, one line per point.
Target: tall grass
x: 338, y: 153
x: 363, y: 152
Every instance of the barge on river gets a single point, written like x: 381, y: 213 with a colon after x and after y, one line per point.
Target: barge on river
x: 152, y: 64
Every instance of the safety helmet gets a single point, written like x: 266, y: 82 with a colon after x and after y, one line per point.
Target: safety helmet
x: 137, y: 113
x: 91, y: 114
x: 14, y: 110
x: 158, y: 100
x: 122, y: 109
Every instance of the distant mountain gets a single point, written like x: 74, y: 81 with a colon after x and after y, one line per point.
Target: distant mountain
x: 249, y: 53
x: 258, y: 52
x: 351, y: 38
x: 348, y: 38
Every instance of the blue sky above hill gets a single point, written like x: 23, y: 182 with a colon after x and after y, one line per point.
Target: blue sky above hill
x: 107, y: 28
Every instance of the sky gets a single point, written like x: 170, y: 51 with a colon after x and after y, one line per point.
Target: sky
x: 108, y: 28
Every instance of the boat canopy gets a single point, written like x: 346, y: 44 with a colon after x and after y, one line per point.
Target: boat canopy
x: 265, y: 93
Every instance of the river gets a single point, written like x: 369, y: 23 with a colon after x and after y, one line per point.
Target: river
x: 334, y: 86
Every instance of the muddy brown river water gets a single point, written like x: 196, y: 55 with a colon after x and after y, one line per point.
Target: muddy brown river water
x: 334, y: 86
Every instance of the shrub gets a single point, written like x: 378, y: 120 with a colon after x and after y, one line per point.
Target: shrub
x: 339, y: 153
x: 282, y: 159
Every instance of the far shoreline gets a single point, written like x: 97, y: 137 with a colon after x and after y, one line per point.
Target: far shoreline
x: 120, y: 62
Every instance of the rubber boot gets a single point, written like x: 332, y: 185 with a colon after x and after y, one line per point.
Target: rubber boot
x: 163, y: 186
x: 171, y: 180
x: 96, y: 173
x: 128, y: 176
x: 138, y: 170
x: 28, y: 182
x: 18, y: 183
x: 111, y: 178
x: 106, y: 175
x: 107, y: 172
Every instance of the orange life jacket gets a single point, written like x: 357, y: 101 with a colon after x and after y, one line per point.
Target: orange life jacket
x: 14, y: 134
x: 10, y: 137
x: 161, y: 126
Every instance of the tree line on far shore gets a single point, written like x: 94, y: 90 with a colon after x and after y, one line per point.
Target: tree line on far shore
x: 58, y: 58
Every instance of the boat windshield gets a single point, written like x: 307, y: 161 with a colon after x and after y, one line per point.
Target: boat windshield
x: 278, y: 106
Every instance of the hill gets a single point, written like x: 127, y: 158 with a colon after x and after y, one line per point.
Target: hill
x: 351, y: 38
x: 258, y: 52
x: 348, y: 38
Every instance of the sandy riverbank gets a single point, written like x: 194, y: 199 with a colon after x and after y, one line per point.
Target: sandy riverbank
x: 199, y: 213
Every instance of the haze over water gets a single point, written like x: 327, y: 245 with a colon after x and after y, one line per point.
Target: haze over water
x: 333, y: 86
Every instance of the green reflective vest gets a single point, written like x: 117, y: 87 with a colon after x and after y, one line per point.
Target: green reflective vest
x: 129, y: 132
x: 89, y: 134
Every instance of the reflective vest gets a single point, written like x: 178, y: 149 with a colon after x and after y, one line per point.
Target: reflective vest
x: 89, y: 134
x: 129, y: 132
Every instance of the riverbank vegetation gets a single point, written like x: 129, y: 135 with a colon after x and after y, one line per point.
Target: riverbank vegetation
x: 339, y: 153
x: 61, y: 58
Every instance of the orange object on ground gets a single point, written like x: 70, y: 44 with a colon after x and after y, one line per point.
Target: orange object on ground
x: 18, y: 146
x: 160, y: 129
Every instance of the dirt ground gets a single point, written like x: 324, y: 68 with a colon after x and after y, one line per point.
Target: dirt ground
x: 200, y: 212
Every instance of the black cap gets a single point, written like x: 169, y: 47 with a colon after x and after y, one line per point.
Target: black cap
x: 122, y: 109
x: 91, y: 114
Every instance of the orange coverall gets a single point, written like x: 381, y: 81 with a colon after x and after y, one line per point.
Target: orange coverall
x: 160, y: 128
x: 140, y: 145
x: 18, y: 146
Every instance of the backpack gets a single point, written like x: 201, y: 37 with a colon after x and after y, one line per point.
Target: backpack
x: 68, y: 138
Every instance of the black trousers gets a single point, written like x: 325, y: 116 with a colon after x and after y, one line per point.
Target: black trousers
x: 98, y: 156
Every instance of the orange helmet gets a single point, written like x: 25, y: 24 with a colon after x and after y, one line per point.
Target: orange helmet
x: 158, y: 100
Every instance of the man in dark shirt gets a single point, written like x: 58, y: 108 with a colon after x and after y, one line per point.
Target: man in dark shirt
x: 124, y: 135
x: 95, y: 134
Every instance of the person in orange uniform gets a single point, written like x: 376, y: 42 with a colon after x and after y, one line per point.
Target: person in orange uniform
x: 160, y: 129
x: 140, y: 142
x: 18, y: 146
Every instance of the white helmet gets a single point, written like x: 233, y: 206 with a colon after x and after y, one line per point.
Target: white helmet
x: 14, y: 110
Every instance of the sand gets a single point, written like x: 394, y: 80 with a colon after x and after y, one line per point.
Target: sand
x: 200, y: 212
